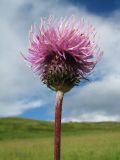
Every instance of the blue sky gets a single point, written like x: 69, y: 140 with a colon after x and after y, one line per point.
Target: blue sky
x: 100, y: 7
x: 21, y: 92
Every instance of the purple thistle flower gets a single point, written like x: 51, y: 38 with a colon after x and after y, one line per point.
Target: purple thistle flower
x: 64, y: 53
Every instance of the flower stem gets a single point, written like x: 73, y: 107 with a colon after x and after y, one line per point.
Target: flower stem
x: 57, y: 131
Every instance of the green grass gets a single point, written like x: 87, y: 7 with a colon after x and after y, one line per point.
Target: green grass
x: 22, y: 139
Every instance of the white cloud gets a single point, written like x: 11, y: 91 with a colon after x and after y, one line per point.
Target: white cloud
x: 16, y: 108
x: 97, y: 100
x: 16, y: 79
x: 91, y: 117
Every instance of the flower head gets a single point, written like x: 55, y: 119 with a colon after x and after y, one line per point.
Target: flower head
x: 63, y: 53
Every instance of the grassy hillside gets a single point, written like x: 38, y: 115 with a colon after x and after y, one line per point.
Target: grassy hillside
x: 11, y: 128
x: 22, y: 139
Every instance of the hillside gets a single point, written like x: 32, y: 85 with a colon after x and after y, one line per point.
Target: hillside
x: 14, y: 128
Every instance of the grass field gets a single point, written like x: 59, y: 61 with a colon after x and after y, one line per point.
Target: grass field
x: 22, y: 139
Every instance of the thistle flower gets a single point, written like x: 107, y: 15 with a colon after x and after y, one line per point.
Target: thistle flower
x: 62, y: 54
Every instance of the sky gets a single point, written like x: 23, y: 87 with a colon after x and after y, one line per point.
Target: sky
x: 21, y: 92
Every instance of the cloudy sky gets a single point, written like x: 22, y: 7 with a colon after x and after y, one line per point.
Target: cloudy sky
x: 21, y: 92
